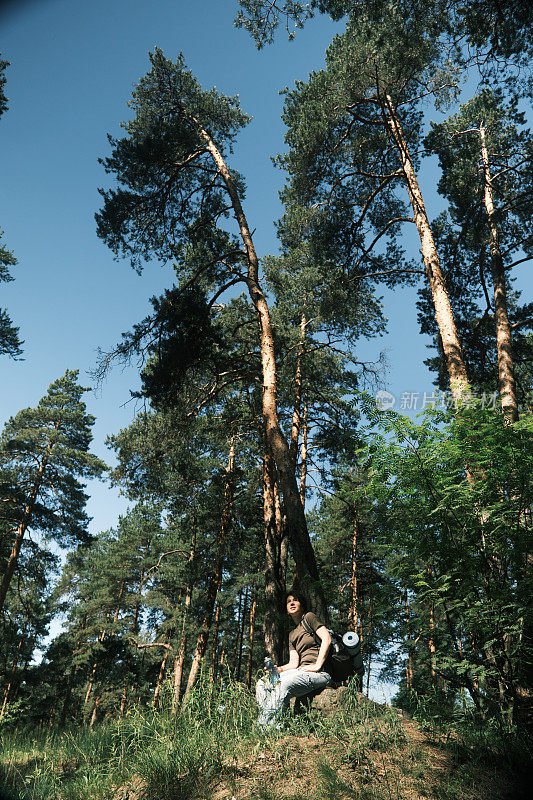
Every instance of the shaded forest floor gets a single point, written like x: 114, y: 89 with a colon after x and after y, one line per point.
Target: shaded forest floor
x: 213, y: 751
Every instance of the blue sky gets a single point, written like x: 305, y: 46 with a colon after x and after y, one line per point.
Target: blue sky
x: 72, y: 68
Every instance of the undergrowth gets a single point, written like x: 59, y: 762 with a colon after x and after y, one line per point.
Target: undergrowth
x: 361, y: 752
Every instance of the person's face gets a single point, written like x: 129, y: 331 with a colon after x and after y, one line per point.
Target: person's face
x: 293, y: 605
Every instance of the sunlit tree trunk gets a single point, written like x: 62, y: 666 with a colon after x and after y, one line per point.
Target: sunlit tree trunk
x: 368, y: 639
x: 503, y: 329
x: 160, y: 679
x: 443, y: 311
x: 251, y: 636
x: 303, y: 454
x: 272, y: 628
x: 353, y: 615
x: 296, y: 414
x: 296, y: 525
x: 241, y: 622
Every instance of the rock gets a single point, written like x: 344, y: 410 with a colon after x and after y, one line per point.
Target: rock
x: 330, y: 701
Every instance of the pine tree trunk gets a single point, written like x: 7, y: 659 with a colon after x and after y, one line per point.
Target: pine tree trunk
x: 251, y: 635
x: 272, y: 626
x: 95, y: 710
x: 296, y: 414
x: 160, y: 679
x: 296, y: 524
x: 503, y: 328
x: 213, y: 672
x: 431, y: 646
x: 22, y: 527
x: 12, y: 676
x: 443, y: 311
x: 368, y: 635
x: 242, y: 624
x: 216, y: 578
x: 303, y: 455
x: 180, y: 658
x: 409, y: 665
x: 352, y: 611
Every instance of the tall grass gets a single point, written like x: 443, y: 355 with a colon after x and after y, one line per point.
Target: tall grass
x: 175, y: 757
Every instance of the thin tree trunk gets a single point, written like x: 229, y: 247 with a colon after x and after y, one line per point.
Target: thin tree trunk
x: 216, y: 625
x: 303, y: 455
x: 95, y: 710
x: 368, y: 635
x: 296, y: 414
x: 443, y: 311
x: 467, y: 681
x: 23, y: 526
x: 272, y: 627
x: 352, y: 612
x: 277, y: 445
x: 282, y: 546
x: 12, y: 676
x: 160, y: 679
x: 503, y: 329
x: 409, y: 664
x: 180, y: 658
x: 251, y: 635
x: 242, y: 625
x: 214, y: 585
x: 431, y: 645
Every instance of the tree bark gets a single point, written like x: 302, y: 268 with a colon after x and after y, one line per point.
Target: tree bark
x: 216, y: 578
x: 243, y: 599
x: 431, y: 646
x: 303, y: 455
x: 23, y: 526
x: 251, y: 636
x: 296, y: 524
x: 213, y: 673
x: 12, y: 677
x: 296, y: 414
x: 368, y: 635
x: 503, y: 329
x: 272, y: 625
x: 443, y: 311
x: 160, y: 679
x: 352, y: 612
x: 180, y: 658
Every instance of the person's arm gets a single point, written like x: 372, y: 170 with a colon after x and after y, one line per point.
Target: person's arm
x: 294, y: 660
x: 325, y: 642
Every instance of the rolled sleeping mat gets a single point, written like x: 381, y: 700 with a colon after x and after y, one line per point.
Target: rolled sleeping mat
x: 351, y: 642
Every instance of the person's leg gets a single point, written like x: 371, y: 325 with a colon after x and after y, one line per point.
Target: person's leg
x: 293, y: 683
x: 307, y: 683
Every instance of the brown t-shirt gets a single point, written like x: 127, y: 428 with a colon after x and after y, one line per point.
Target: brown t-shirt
x: 302, y: 641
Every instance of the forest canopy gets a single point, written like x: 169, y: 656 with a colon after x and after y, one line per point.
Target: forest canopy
x: 258, y: 459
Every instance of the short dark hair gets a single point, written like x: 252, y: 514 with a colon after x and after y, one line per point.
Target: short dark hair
x: 302, y: 599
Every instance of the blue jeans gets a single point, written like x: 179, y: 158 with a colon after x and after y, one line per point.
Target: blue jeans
x: 274, y: 699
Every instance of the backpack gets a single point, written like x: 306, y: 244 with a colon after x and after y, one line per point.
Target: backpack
x: 342, y: 663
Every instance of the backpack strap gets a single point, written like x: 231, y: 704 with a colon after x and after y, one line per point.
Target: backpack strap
x: 310, y: 630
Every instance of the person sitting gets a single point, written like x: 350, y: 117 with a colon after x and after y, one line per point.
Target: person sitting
x: 304, y: 674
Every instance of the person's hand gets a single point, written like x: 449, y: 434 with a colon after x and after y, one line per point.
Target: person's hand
x: 311, y: 668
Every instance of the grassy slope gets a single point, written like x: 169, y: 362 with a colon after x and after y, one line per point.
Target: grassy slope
x: 212, y: 751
